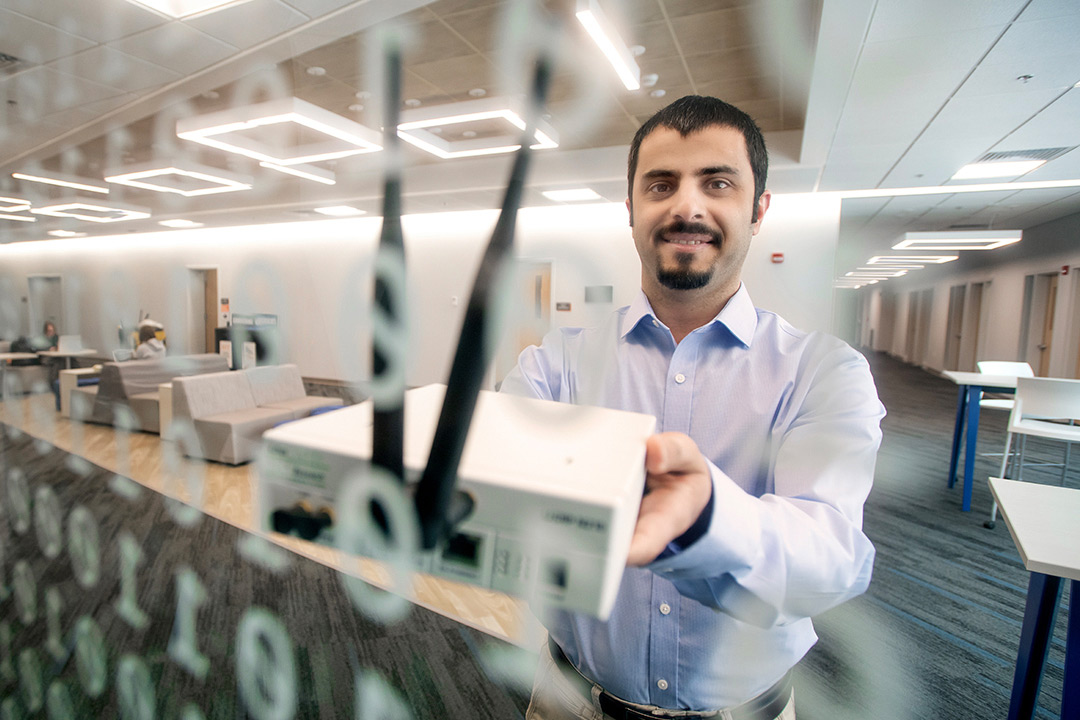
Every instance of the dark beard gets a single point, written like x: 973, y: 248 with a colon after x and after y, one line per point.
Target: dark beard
x: 682, y: 277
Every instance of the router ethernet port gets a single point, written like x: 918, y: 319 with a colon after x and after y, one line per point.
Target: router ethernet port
x: 555, y: 573
x: 463, y: 549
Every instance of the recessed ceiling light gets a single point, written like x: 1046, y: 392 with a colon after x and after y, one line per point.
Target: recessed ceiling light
x: 308, y: 172
x: 182, y: 178
x: 414, y: 128
x: 571, y: 195
x: 316, y: 71
x: 962, y: 240
x: 1011, y: 168
x: 260, y: 132
x: 65, y: 234
x: 340, y: 211
x: 10, y: 204
x: 928, y: 259
x: 603, y: 33
x: 97, y: 211
x: 186, y: 8
x: 20, y: 218
x: 477, y: 92
x: 62, y: 180
x: 180, y: 223
x: 412, y: 103
x: 356, y: 107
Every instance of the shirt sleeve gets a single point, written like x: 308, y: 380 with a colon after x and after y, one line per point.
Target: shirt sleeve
x: 799, y: 550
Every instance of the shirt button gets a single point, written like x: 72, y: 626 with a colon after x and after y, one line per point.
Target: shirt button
x: 662, y: 684
x: 655, y: 323
x: 665, y: 609
x: 680, y: 378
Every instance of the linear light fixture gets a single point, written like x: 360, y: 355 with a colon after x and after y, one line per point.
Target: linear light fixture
x: 186, y: 8
x: 1008, y: 168
x: 238, y: 130
x: 10, y: 204
x: 879, y: 273
x: 180, y: 223
x: 954, y: 189
x: 20, y: 218
x: 308, y: 172
x: 63, y: 180
x: 65, y: 234
x: 928, y: 259
x: 571, y: 195
x: 412, y: 128
x: 340, y: 211
x: 209, y: 180
x: 961, y: 240
x: 603, y: 33
x: 79, y: 209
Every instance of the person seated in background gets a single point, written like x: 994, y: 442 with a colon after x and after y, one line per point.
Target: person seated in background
x: 48, y: 340
x: 150, y: 347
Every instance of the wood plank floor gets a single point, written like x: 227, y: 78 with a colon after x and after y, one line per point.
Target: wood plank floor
x: 227, y: 494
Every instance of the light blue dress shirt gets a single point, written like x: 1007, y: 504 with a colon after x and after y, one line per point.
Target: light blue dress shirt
x: 790, y: 424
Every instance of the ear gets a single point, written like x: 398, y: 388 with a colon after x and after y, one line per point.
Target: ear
x: 762, y: 206
x: 630, y: 211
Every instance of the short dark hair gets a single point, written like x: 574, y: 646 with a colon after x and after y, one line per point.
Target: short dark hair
x: 147, y: 332
x: 692, y: 113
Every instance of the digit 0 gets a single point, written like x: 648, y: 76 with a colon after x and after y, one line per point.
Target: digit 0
x: 265, y: 666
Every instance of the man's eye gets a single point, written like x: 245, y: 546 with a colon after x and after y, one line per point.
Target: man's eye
x: 660, y: 187
x: 718, y: 184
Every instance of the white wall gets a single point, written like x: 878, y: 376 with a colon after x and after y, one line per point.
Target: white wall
x: 316, y: 276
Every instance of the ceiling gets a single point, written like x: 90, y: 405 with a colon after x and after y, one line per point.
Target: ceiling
x: 853, y: 95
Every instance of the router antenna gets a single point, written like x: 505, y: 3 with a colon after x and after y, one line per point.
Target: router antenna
x: 435, y: 493
x: 388, y: 430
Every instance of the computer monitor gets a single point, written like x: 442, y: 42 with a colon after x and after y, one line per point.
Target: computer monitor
x: 70, y: 344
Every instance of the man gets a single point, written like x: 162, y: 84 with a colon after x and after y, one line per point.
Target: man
x: 752, y: 517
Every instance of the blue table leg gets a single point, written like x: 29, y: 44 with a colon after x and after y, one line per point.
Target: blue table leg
x: 1070, y: 694
x: 1044, y: 592
x: 974, y: 395
x: 958, y: 429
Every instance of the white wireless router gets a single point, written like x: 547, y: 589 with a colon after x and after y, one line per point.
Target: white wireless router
x: 556, y: 490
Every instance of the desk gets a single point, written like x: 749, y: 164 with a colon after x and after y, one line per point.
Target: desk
x: 7, y: 357
x: 1042, y: 521
x: 971, y: 386
x: 66, y: 355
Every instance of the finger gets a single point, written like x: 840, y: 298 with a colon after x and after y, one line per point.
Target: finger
x: 672, y: 452
x: 663, y: 516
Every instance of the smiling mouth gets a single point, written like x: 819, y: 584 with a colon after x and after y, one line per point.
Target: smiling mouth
x: 687, y: 239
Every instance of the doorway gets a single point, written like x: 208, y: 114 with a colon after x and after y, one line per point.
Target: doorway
x: 954, y: 327
x: 972, y: 328
x: 1037, y: 330
x: 202, y: 310
x: 46, y: 304
x: 530, y: 317
x: 1048, y: 325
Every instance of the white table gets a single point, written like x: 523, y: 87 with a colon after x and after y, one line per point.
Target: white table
x: 69, y: 380
x: 67, y: 355
x: 971, y: 386
x: 7, y: 357
x: 1043, y: 521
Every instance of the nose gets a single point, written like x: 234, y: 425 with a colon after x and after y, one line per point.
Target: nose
x: 688, y: 204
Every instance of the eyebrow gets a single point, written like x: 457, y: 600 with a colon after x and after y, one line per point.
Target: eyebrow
x: 703, y: 172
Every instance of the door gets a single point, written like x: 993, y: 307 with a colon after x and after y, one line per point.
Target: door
x: 954, y: 327
x: 202, y: 310
x: 530, y: 317
x: 46, y: 304
x: 969, y: 334
x: 1048, y: 326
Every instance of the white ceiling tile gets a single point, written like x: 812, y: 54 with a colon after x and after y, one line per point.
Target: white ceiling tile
x: 1056, y: 126
x: 110, y: 67
x: 947, y: 52
x: 177, y: 47
x: 1053, y: 36
x: 1066, y: 167
x: 317, y: 8
x: 1016, y: 76
x: 894, y: 19
x: 1042, y: 9
x: 36, y: 42
x: 100, y: 21
x: 43, y: 91
x: 249, y: 23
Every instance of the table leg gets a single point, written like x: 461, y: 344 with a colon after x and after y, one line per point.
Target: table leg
x: 1070, y: 694
x: 958, y: 429
x: 1044, y: 592
x: 974, y: 394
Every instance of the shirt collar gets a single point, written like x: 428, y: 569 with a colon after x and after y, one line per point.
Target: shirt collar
x: 738, y: 315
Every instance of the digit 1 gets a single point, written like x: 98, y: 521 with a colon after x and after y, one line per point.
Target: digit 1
x: 127, y: 605
x: 58, y: 702
x: 135, y: 689
x: 375, y: 698
x: 48, y: 522
x: 83, y: 547
x: 7, y: 669
x: 183, y: 647
x: 30, y: 680
x: 5, y: 590
x: 265, y: 666
x: 90, y: 659
x: 25, y: 592
x: 54, y: 605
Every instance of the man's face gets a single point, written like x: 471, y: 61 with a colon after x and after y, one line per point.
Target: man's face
x: 692, y: 211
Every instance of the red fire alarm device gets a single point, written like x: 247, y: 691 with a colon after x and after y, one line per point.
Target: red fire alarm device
x: 1064, y: 269
x: 778, y: 258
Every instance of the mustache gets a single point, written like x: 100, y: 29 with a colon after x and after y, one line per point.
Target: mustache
x: 693, y: 228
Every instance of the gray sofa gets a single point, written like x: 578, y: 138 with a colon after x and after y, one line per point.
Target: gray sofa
x: 226, y: 413
x: 134, y: 385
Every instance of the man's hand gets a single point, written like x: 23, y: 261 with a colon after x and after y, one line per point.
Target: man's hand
x: 678, y: 487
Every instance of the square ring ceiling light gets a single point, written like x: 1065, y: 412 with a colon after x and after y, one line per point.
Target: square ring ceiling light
x: 923, y: 259
x: 97, y: 211
x: 963, y: 240
x: 186, y: 8
x: 20, y: 218
x: 10, y: 204
x: 415, y: 124
x: 183, y: 178
x: 288, y: 131
x: 63, y: 180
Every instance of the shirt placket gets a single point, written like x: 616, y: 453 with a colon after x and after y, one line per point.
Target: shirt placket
x: 665, y: 599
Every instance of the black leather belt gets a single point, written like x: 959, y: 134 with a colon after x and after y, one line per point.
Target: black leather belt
x: 766, y: 706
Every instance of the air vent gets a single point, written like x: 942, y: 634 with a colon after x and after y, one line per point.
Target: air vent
x: 9, y: 64
x: 969, y: 226
x: 1040, y: 154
